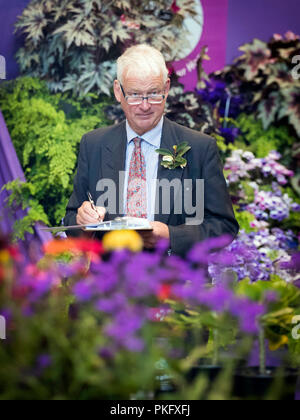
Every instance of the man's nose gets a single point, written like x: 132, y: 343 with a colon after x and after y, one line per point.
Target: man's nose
x: 145, y: 105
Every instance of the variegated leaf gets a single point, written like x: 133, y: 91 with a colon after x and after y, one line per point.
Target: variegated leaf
x: 268, y: 109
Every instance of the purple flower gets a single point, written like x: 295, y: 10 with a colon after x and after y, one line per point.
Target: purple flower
x: 112, y: 304
x: 83, y: 291
x: 41, y: 288
x: 201, y: 252
x: 248, y: 314
x: 72, y: 269
x: 293, y: 264
x: 230, y: 134
x: 43, y: 362
x: 218, y: 298
x: 134, y: 344
x: 124, y: 327
x: 7, y: 315
x: 107, y: 353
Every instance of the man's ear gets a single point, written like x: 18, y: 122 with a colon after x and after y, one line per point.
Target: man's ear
x: 168, y: 87
x: 117, y: 91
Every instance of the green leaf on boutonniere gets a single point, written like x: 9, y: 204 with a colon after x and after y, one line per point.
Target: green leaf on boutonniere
x: 172, y: 160
x: 183, y: 148
x: 164, y: 152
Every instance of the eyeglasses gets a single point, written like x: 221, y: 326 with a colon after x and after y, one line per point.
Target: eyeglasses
x: 153, y: 98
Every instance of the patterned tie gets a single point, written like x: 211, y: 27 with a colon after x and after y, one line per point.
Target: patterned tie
x: 137, y: 186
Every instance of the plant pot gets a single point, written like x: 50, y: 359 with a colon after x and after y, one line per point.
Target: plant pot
x: 276, y: 384
x: 204, y: 367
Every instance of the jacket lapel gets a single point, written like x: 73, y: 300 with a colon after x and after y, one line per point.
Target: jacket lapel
x: 113, y: 162
x: 169, y: 139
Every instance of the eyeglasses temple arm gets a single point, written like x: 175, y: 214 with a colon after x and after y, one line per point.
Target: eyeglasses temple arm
x: 122, y: 90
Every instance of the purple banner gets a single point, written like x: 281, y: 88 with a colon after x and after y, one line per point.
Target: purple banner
x: 10, y: 169
x: 211, y: 32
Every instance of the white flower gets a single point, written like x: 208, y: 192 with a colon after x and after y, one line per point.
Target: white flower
x: 167, y: 159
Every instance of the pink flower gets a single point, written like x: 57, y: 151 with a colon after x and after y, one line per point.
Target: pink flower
x: 175, y: 9
x: 290, y: 36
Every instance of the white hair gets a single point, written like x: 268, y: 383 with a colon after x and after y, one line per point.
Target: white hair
x: 144, y: 60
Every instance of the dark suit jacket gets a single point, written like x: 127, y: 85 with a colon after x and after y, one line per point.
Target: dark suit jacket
x: 103, y: 153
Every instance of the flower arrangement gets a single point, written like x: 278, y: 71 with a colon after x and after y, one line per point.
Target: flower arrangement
x: 79, y: 329
x: 172, y: 160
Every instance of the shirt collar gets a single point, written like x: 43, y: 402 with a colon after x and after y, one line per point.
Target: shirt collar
x: 152, y: 137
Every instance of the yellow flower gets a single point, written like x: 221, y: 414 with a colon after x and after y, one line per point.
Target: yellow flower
x: 4, y: 257
x: 123, y: 239
x: 283, y: 340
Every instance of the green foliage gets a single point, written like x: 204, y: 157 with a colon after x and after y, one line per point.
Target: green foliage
x: 46, y: 130
x: 244, y: 219
x: 278, y: 320
x: 21, y: 196
x: 261, y: 141
x: 73, y: 44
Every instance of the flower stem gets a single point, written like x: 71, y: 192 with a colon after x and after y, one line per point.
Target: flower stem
x: 215, y: 360
x: 262, y: 350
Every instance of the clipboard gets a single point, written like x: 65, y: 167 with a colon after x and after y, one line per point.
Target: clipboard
x: 120, y: 223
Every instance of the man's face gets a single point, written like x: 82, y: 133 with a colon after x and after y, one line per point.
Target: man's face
x: 142, y: 118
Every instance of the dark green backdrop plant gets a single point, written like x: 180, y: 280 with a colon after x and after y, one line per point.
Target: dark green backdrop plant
x: 258, y: 100
x: 73, y: 44
x: 46, y: 130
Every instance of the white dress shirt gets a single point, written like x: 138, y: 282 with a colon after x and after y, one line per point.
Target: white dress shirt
x: 150, y: 142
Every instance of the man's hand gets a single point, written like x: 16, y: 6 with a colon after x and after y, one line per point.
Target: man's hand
x: 86, y: 215
x: 160, y: 231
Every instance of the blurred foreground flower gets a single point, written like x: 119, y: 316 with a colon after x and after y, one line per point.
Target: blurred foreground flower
x: 125, y: 239
x: 74, y: 246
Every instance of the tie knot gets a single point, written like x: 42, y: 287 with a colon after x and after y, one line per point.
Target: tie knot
x: 137, y: 142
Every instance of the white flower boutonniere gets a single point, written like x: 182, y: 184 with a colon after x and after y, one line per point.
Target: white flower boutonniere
x: 172, y: 160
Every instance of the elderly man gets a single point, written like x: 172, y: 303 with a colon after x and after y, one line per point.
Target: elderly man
x: 130, y: 148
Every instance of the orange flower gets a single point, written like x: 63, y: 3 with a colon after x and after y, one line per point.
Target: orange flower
x: 75, y: 246
x: 57, y: 247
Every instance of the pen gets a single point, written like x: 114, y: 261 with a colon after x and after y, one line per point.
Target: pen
x: 93, y: 205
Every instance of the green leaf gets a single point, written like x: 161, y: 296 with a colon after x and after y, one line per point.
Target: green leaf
x: 182, y: 146
x: 268, y: 108
x: 184, y: 151
x: 164, y: 152
x: 180, y: 160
